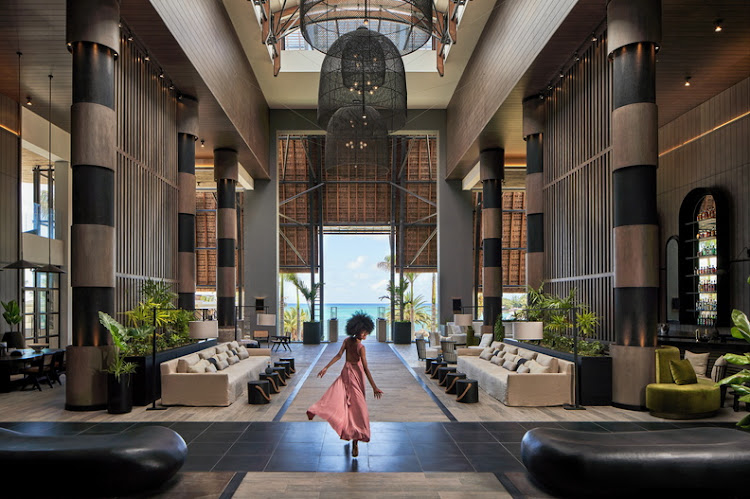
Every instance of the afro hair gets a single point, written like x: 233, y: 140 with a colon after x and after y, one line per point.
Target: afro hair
x: 358, y: 322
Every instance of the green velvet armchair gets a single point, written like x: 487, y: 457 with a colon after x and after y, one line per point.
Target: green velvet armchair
x: 665, y: 399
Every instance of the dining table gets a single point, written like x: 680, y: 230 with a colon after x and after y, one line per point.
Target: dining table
x: 11, y: 364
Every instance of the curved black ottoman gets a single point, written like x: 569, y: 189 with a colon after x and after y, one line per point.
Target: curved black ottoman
x: 435, y: 366
x: 92, y: 465
x: 442, y: 372
x: 274, y: 379
x: 450, y: 381
x: 428, y: 364
x: 282, y: 375
x: 580, y: 462
x: 259, y: 392
x: 467, y: 391
x: 287, y: 368
x: 291, y: 362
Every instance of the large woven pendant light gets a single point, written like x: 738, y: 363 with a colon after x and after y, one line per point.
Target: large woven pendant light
x: 363, y: 68
x: 356, y: 137
x: 406, y: 23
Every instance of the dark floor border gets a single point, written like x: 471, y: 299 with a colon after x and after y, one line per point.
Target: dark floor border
x: 426, y: 388
x: 297, y: 388
x: 233, y: 485
x: 509, y: 486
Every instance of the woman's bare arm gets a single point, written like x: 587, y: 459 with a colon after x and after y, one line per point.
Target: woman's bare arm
x: 376, y: 391
x: 334, y: 359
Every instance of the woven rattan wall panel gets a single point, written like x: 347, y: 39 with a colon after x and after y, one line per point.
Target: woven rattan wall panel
x: 146, y: 177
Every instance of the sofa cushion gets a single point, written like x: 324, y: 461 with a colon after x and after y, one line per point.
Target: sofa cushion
x: 547, y: 361
x: 222, y: 348
x: 243, y: 354
x: 510, y: 349
x: 523, y: 369
x: 222, y: 364
x: 510, y: 365
x: 233, y: 344
x: 527, y: 354
x: 198, y: 367
x: 222, y: 356
x: 208, y: 352
x: 699, y: 361
x: 233, y: 360
x: 512, y: 357
x: 486, y: 354
x: 497, y: 344
x: 210, y: 368
x: 497, y: 360
x: 537, y: 368
x: 683, y: 372
x: 486, y: 340
x: 183, y: 366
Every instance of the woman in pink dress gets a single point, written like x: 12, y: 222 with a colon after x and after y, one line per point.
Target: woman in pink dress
x: 343, y: 405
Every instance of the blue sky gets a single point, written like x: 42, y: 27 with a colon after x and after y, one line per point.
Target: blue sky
x: 351, y: 273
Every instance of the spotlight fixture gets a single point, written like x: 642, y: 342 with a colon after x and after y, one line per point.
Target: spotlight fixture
x: 576, y: 56
x: 28, y: 100
x: 549, y: 87
x: 171, y: 86
x: 203, y: 143
x: 717, y: 25
x: 562, y: 75
x: 130, y: 37
x: 687, y: 81
x: 541, y: 96
x: 146, y: 57
x: 594, y: 37
x: 161, y: 74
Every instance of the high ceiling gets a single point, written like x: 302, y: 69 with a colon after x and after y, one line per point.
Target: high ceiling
x: 690, y: 47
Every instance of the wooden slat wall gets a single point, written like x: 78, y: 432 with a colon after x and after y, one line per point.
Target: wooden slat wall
x: 146, y: 178
x: 578, y: 208
x: 720, y: 159
x: 9, y: 204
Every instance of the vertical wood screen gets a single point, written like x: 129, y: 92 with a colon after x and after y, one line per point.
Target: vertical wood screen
x: 578, y: 201
x: 146, y: 178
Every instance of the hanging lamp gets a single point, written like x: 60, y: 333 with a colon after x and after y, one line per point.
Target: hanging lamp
x: 356, y: 137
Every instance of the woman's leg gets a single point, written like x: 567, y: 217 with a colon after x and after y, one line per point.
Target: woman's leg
x: 355, y: 448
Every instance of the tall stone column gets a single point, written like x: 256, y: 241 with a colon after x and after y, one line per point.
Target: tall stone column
x: 491, y: 173
x: 226, y: 175
x: 533, y: 128
x: 187, y: 132
x: 634, y: 30
x: 93, y: 38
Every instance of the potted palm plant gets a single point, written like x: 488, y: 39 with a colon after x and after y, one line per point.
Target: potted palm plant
x: 311, y: 330
x: 401, y: 327
x: 12, y: 315
x: 119, y: 371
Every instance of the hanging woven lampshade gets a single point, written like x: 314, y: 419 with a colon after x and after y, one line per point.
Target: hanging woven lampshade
x: 356, y: 137
x: 407, y: 23
x: 363, y: 68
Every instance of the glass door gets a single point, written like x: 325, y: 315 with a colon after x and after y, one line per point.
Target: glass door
x: 41, y: 308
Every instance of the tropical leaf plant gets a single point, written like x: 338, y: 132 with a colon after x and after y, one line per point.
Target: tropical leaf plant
x: 11, y: 313
x: 120, y: 339
x: 310, y: 293
x: 739, y: 381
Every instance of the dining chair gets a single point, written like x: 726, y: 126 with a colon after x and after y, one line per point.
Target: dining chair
x: 262, y: 335
x: 40, y: 369
x: 58, y: 366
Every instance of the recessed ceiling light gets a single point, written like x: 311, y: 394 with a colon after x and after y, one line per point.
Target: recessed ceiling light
x: 717, y: 25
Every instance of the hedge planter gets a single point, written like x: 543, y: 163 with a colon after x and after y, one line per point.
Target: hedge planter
x: 402, y: 333
x: 142, y: 392
x: 595, y: 373
x: 311, y: 333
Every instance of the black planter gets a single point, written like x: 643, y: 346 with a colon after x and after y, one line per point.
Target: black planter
x: 402, y: 333
x: 119, y: 394
x: 594, y: 373
x: 142, y: 389
x: 311, y: 333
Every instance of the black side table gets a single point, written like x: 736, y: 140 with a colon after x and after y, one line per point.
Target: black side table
x: 442, y: 372
x: 274, y: 380
x: 428, y: 364
x: 282, y: 374
x: 450, y: 381
x: 287, y: 368
x: 467, y: 391
x: 258, y: 392
x: 291, y: 362
x: 435, y: 366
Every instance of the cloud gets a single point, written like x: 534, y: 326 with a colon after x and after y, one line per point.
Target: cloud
x: 357, y: 262
x: 381, y: 285
x: 361, y: 276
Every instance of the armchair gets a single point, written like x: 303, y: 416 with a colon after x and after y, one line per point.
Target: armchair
x: 423, y: 352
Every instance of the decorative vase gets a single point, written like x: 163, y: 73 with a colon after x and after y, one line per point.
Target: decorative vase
x: 269, y: 369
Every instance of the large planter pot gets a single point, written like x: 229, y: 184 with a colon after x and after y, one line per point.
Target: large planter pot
x: 119, y: 394
x: 143, y: 391
x: 594, y: 373
x: 402, y: 333
x: 311, y: 333
x: 333, y: 330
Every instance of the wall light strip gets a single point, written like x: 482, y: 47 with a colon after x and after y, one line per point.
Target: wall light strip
x: 701, y: 135
x: 9, y: 130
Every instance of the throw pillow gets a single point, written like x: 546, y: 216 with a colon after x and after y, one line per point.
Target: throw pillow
x: 510, y: 349
x: 243, y: 354
x: 233, y: 344
x: 183, y: 366
x: 521, y: 361
x: 222, y: 364
x: 222, y: 356
x: 198, y: 367
x: 512, y: 357
x: 205, y: 354
x: 497, y: 344
x: 233, y: 360
x: 536, y: 368
x: 486, y: 340
x: 497, y: 360
x: 548, y: 361
x: 683, y: 372
x: 210, y: 368
x: 510, y: 366
x: 523, y: 369
x: 496, y: 352
x: 222, y: 348
x: 486, y: 354
x: 699, y: 361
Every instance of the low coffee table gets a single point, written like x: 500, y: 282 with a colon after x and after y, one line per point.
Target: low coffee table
x: 280, y: 341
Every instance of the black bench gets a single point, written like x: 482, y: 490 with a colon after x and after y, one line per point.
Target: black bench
x: 91, y: 465
x: 580, y: 463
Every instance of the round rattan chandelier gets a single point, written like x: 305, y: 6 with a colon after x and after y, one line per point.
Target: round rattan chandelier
x: 363, y: 68
x: 356, y: 137
x: 406, y: 23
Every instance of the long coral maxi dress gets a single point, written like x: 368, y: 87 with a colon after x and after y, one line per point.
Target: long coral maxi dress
x: 343, y: 405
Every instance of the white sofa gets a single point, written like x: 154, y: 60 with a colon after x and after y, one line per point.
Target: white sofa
x: 219, y: 388
x: 520, y: 389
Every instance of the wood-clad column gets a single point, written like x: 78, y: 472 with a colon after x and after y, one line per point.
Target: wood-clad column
x: 187, y: 133
x: 634, y: 30
x: 491, y: 172
x: 533, y: 128
x: 226, y: 175
x: 93, y: 38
